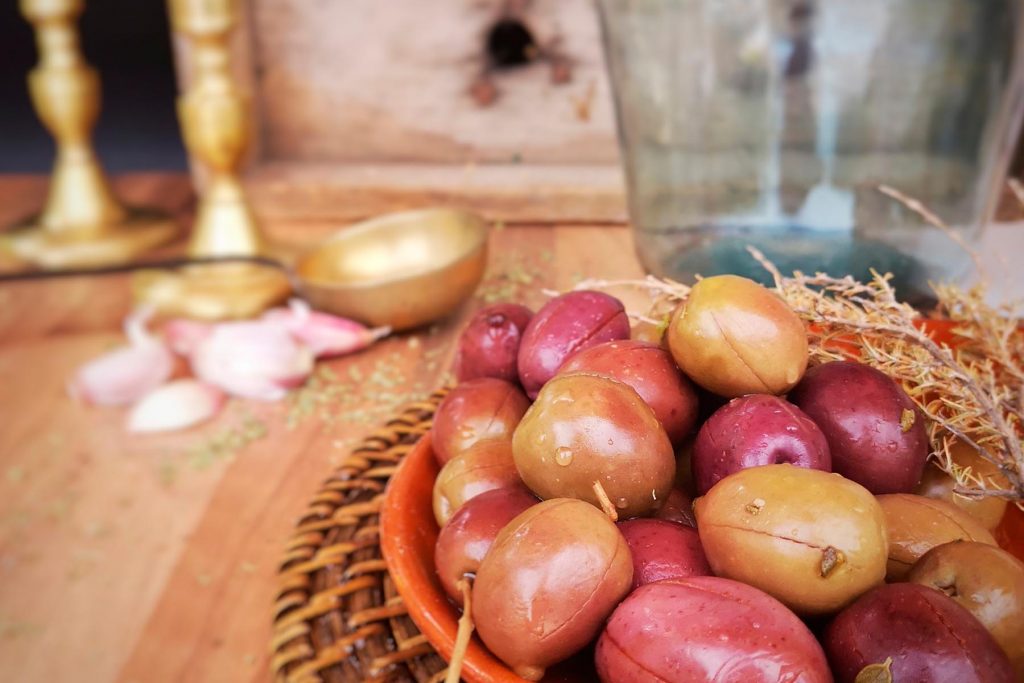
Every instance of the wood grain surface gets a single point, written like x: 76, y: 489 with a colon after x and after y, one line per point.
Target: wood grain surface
x: 152, y: 558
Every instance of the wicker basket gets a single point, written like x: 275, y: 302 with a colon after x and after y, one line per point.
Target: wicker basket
x: 338, y: 616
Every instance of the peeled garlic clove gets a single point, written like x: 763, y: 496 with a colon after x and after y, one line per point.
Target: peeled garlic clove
x: 183, y: 335
x: 324, y: 334
x: 257, y: 359
x: 122, y: 375
x: 176, y: 405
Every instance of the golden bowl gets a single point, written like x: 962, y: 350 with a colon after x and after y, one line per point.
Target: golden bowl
x: 401, y: 269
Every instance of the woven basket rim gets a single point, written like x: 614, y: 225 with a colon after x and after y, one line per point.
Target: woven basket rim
x: 337, y: 615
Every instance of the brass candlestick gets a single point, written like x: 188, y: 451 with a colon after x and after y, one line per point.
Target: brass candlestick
x: 81, y: 224
x: 214, y: 116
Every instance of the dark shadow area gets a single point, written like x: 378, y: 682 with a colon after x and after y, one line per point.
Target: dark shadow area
x: 129, y: 43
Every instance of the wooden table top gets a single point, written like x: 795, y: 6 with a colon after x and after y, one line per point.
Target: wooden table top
x: 153, y: 558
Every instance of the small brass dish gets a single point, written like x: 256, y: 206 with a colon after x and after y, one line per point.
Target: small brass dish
x: 402, y: 269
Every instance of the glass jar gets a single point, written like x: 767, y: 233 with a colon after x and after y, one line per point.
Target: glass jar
x: 772, y: 123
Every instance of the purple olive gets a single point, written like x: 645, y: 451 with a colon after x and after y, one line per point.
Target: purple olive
x: 489, y: 344
x: 923, y: 635
x: 875, y: 433
x: 756, y: 430
x: 651, y: 372
x: 567, y: 324
x: 474, y: 411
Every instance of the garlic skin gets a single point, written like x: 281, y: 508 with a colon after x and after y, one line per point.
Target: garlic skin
x: 175, y: 405
x: 125, y: 374
x: 183, y: 335
x: 256, y: 359
x: 324, y: 334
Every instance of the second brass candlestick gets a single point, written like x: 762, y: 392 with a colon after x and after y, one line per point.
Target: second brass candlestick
x: 214, y: 117
x: 81, y: 224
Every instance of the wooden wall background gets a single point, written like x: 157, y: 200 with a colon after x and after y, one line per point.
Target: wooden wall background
x: 360, y: 103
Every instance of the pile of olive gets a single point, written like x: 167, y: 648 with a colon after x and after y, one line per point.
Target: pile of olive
x: 818, y: 547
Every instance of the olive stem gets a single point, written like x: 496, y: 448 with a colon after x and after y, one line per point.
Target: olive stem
x: 464, y: 633
x: 606, y: 502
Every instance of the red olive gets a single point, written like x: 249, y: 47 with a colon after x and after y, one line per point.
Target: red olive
x: 651, y: 372
x: 663, y: 550
x: 548, y: 583
x: 704, y: 628
x: 754, y: 430
x: 922, y: 635
x: 567, y: 324
x: 468, y: 535
x: 489, y: 344
x: 875, y: 432
x: 477, y: 410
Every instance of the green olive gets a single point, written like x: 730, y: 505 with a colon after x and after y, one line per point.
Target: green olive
x: 812, y: 539
x: 917, y: 524
x: 734, y: 337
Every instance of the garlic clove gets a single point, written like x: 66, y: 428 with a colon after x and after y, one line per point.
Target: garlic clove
x: 183, y: 335
x: 257, y: 359
x: 135, y: 326
x: 176, y: 405
x: 123, y: 375
x: 325, y: 334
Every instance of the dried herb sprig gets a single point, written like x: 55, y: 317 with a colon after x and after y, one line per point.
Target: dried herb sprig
x: 970, y: 393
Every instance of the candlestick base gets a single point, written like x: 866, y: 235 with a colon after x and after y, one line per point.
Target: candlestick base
x: 106, y: 245
x: 218, y: 291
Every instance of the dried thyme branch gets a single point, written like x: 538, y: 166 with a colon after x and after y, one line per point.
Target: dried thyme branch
x: 958, y: 390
